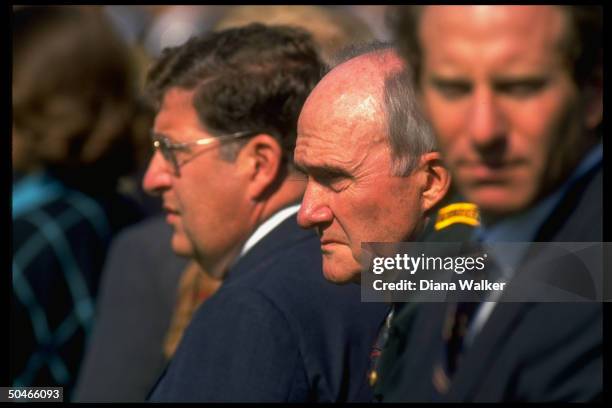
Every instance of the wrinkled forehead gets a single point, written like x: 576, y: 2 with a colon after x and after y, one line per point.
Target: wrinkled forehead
x: 336, y: 153
x: 340, y: 135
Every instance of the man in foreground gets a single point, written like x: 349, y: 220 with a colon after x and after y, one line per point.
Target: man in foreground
x: 225, y: 133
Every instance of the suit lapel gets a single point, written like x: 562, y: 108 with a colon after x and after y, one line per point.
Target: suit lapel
x: 487, y: 345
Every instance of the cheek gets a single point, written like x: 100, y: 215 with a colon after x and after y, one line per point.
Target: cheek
x: 405, y: 210
x: 386, y: 213
x: 544, y: 137
x: 354, y: 214
x: 191, y: 202
x: 364, y: 212
x: 533, y: 124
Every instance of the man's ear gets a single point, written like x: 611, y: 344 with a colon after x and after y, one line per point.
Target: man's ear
x: 261, y: 161
x: 437, y: 180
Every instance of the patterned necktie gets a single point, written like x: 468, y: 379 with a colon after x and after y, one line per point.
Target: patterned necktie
x: 379, y: 344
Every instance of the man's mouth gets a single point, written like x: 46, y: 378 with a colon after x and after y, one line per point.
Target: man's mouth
x: 171, y: 214
x: 491, y: 171
x: 327, y: 243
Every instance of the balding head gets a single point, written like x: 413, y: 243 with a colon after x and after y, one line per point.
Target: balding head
x: 372, y: 89
x: 340, y: 96
x: 375, y: 65
x: 344, y: 145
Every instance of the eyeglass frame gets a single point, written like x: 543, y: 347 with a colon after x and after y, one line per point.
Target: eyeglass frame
x: 167, y: 148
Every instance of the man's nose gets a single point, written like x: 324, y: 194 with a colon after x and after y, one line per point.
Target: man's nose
x: 157, y: 178
x: 487, y: 121
x: 314, y: 210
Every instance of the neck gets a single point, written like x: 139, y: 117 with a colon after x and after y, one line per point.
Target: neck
x: 288, y: 192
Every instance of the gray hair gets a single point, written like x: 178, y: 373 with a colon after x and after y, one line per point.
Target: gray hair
x: 409, y: 135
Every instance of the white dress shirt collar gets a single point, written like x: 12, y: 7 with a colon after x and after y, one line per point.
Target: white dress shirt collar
x: 267, y: 226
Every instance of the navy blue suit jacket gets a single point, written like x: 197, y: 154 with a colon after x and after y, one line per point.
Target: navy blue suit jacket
x: 525, y: 351
x: 276, y: 331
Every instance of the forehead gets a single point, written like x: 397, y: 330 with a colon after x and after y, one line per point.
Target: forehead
x: 338, y: 126
x: 177, y: 117
x: 506, y: 35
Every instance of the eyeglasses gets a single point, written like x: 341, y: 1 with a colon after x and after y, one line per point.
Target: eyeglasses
x: 170, y: 149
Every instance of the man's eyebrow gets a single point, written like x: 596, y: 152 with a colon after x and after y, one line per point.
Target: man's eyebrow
x: 444, y: 80
x: 322, y: 170
x: 157, y: 135
x: 300, y: 168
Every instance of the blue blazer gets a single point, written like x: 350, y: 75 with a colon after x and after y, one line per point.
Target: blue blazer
x: 276, y: 331
x: 525, y: 351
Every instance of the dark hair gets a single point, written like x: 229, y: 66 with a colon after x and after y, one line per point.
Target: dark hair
x: 582, y: 43
x: 251, y: 78
x: 408, y: 133
x: 74, y: 98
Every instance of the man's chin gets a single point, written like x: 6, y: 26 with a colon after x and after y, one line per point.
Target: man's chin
x: 181, y: 246
x: 341, y: 276
x: 499, y: 202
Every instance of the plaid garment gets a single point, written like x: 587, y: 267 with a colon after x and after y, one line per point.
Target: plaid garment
x: 60, y: 239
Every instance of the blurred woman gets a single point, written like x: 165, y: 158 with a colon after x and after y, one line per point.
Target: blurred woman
x: 75, y: 133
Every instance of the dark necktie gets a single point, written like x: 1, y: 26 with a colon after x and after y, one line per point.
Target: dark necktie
x: 458, y: 319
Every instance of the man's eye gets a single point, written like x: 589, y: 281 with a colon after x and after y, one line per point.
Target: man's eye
x: 335, y: 182
x: 298, y: 174
x: 178, y: 147
x: 452, y: 89
x: 521, y: 89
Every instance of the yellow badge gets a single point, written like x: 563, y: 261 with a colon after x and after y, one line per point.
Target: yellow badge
x: 463, y: 213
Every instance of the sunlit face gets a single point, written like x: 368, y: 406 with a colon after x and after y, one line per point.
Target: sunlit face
x: 502, y: 101
x: 351, y: 196
x: 205, y: 203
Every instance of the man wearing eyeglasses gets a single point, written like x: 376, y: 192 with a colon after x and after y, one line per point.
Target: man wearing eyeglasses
x: 224, y: 134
